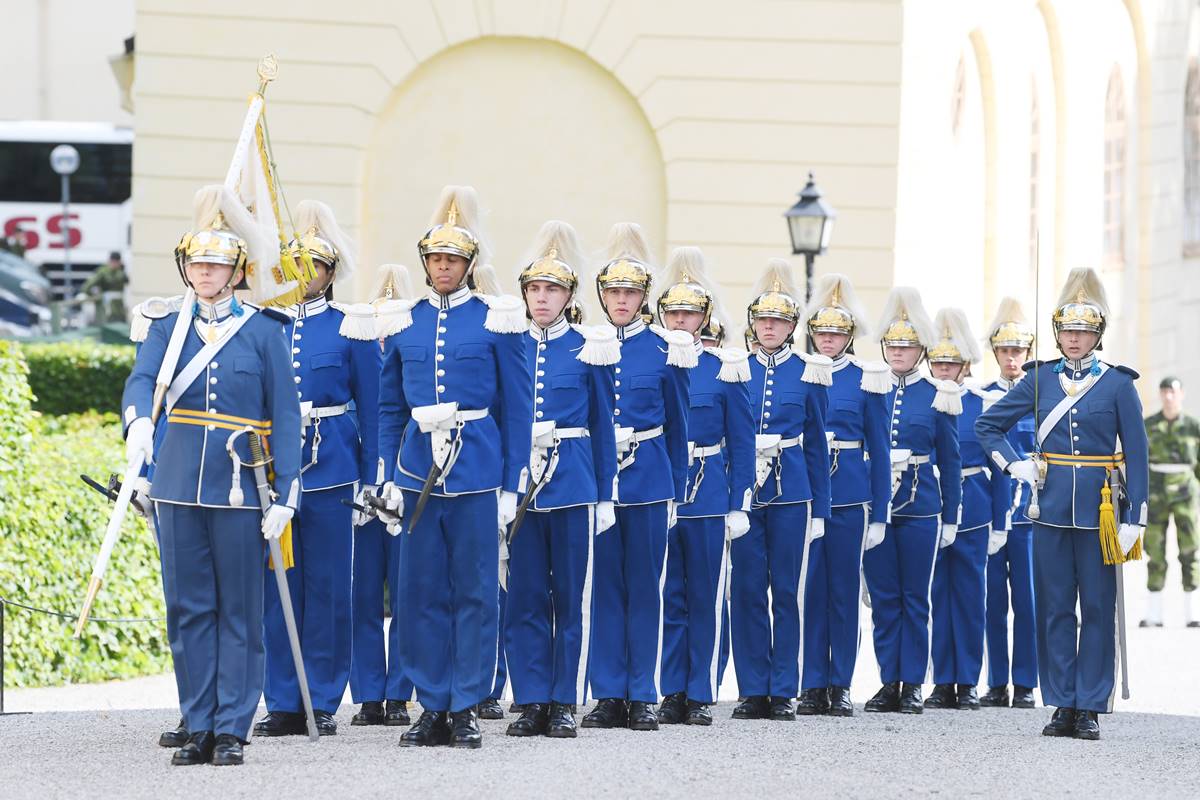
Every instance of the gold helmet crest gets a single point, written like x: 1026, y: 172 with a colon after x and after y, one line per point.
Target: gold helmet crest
x: 1009, y: 327
x: 904, y: 322
x: 775, y: 295
x: 1083, y: 303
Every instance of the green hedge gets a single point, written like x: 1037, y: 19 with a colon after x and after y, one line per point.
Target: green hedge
x: 51, y: 526
x: 73, y: 377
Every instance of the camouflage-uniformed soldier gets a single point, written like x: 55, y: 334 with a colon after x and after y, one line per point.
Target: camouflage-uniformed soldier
x: 1174, y: 468
x: 106, y: 285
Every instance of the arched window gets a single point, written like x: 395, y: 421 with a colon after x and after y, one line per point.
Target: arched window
x: 1035, y: 148
x: 1191, y: 162
x: 1115, y: 171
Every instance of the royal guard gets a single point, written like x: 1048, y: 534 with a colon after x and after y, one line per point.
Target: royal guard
x: 790, y: 502
x: 1089, y: 479
x: 960, y: 572
x: 454, y: 406
x: 377, y: 679
x: 232, y: 379
x: 716, y: 506
x: 924, y: 508
x: 856, y: 425
x: 568, y: 498
x: 1010, y: 557
x: 650, y: 417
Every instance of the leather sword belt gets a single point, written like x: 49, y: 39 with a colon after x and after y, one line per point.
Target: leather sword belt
x: 628, y: 440
x: 969, y: 471
x: 310, y: 414
x: 701, y: 452
x: 838, y: 444
x: 767, y: 449
x: 902, y: 459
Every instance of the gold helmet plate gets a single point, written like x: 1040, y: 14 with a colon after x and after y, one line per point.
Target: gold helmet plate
x: 1012, y: 334
x: 901, y: 333
x: 319, y: 248
x: 775, y: 304
x: 1080, y: 315
x: 624, y: 273
x: 449, y: 237
x: 551, y: 269
x: 214, y: 245
x: 687, y: 296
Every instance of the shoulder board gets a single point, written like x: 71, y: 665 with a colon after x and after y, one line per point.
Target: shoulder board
x: 1029, y: 366
x: 735, y: 364
x: 988, y: 396
x: 876, y: 377
x: 818, y: 369
x: 273, y: 313
x: 358, y: 320
x: 147, y: 311
x: 948, y: 399
x: 681, y: 347
x: 506, y: 314
x: 600, y: 345
x: 1130, y: 371
x: 393, y: 316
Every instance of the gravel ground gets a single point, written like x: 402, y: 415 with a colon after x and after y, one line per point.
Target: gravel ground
x: 993, y: 752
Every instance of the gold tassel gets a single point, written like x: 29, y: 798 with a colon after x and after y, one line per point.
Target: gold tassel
x: 1110, y: 545
x: 285, y: 540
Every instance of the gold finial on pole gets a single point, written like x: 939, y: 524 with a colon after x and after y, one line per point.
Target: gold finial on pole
x: 452, y: 213
x: 268, y: 70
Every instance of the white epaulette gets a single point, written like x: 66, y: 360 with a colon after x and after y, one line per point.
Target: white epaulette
x: 358, y: 320
x: 393, y: 316
x: 989, y: 397
x: 876, y: 376
x: 681, y: 347
x: 818, y: 369
x: 601, y: 348
x: 735, y: 364
x: 948, y: 399
x: 506, y: 314
x: 147, y: 311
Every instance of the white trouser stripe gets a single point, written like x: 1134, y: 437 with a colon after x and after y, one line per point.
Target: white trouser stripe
x: 800, y: 594
x: 718, y: 608
x: 585, y: 618
x: 662, y: 581
x: 937, y: 543
x: 862, y: 581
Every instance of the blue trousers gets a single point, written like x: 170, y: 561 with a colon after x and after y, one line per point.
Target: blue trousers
x: 766, y: 633
x: 549, y: 597
x: 213, y: 585
x: 320, y: 586
x: 373, y: 676
x: 693, y: 608
x: 449, y: 598
x: 1011, y: 570
x: 625, y: 652
x: 958, y: 608
x: 501, y: 676
x: 898, y: 574
x: 1076, y: 657
x: 831, y: 600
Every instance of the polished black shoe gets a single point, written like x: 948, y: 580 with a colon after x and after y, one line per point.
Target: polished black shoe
x: 562, y: 722
x: 839, y: 702
x: 281, y: 723
x: 396, y: 713
x: 1087, y: 725
x: 370, y: 713
x: 673, y: 710
x: 326, y: 724
x: 698, y: 713
x: 515, y: 708
x: 227, y: 752
x: 176, y: 738
x: 942, y: 696
x: 1147, y: 623
x: 757, y: 707
x: 1023, y: 697
x: 609, y: 713
x: 813, y: 702
x: 782, y: 709
x: 968, y: 698
x: 490, y: 709
x: 995, y: 697
x: 432, y: 729
x: 910, y: 699
x: 642, y: 716
x: 886, y: 700
x: 198, y: 750
x: 465, y: 729
x: 534, y: 720
x: 1062, y: 723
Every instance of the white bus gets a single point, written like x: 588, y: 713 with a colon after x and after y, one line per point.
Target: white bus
x: 31, y: 195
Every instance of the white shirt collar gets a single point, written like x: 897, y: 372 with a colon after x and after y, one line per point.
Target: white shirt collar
x: 632, y: 329
x: 213, y: 312
x: 550, y: 332
x: 456, y: 298
x: 908, y: 378
x: 773, y: 359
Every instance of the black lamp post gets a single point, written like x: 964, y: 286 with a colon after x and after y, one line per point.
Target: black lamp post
x: 810, y: 223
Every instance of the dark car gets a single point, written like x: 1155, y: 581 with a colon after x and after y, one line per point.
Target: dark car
x: 24, y: 297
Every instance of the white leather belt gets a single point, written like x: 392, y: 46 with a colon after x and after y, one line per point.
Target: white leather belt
x: 701, y: 453
x: 900, y: 464
x: 1170, y: 469
x: 838, y: 444
x: 442, y: 421
x: 695, y: 451
x: 572, y: 433
x: 310, y: 414
x: 911, y: 461
x: 628, y: 440
x: 969, y: 471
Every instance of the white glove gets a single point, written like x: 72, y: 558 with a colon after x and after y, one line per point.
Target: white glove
x: 818, y: 528
x: 996, y: 540
x: 506, y: 508
x: 139, y: 440
x: 949, y: 534
x: 141, y: 498
x: 360, y: 518
x: 606, y: 515
x: 393, y: 500
x: 672, y: 514
x: 1127, y: 535
x: 275, y: 520
x: 737, y: 523
x: 1025, y: 470
x: 876, y: 532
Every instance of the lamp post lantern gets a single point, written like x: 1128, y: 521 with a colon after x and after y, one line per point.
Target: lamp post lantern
x: 810, y: 224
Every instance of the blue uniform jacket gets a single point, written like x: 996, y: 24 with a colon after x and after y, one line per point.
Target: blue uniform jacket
x: 921, y: 428
x: 574, y: 393
x: 650, y: 393
x: 784, y: 403
x: 1021, y: 438
x: 250, y: 381
x: 719, y: 411
x: 1108, y: 412
x: 457, y: 349
x: 335, y: 370
x: 986, y: 495
x: 859, y: 414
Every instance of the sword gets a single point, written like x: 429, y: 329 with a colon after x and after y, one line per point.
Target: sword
x: 259, y: 464
x: 435, y: 472
x: 111, y: 490
x: 111, y: 534
x: 1122, y: 640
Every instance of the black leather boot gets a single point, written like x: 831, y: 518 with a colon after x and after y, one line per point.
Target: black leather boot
x: 698, y: 713
x: 282, y: 723
x: 813, y: 702
x: 465, y: 729
x: 562, y: 722
x: 782, y: 709
x: 432, y: 729
x: 396, y: 713
x: 490, y: 709
x: 673, y: 710
x: 1062, y: 723
x: 642, y: 716
x: 995, y: 697
x: 610, y: 712
x: 910, y: 699
x: 227, y: 752
x: 1087, y: 725
x: 326, y: 724
x: 942, y: 696
x: 1023, y: 697
x: 534, y: 720
x: 370, y: 713
x: 839, y: 702
x: 757, y: 707
x: 886, y: 700
x: 515, y: 708
x: 968, y: 698
x: 176, y: 738
x: 198, y: 750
